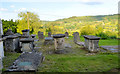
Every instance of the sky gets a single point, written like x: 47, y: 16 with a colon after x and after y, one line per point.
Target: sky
x: 51, y: 10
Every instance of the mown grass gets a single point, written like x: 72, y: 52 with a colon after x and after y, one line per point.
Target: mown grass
x: 76, y: 60
x: 9, y: 59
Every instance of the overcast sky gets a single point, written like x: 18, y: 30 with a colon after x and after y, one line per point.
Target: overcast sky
x: 57, y: 9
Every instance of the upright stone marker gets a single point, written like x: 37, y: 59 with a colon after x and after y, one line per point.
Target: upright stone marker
x: 1, y: 42
x: 1, y: 28
x: 49, y: 34
x: 75, y: 37
x: 40, y: 35
x: 1, y: 47
x: 78, y: 37
x: 66, y: 34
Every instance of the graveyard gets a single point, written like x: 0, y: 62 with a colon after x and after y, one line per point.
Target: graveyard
x: 59, y: 37
x: 59, y: 53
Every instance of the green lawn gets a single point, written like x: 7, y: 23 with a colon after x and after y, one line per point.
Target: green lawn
x: 76, y: 60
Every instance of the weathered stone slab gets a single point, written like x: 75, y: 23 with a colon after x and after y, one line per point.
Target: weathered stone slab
x: 48, y: 40
x: 27, y: 61
x: 27, y: 44
x: 113, y: 49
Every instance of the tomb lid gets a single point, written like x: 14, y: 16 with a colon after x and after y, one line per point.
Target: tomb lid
x: 91, y: 37
x: 33, y: 35
x: 11, y: 37
x: 26, y: 40
x: 26, y: 30
x: 58, y: 35
x: 48, y: 38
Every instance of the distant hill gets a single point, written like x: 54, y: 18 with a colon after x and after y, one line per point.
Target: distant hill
x: 89, y: 18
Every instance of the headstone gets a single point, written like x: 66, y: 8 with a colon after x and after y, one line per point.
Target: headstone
x: 78, y: 37
x: 49, y: 34
x: 59, y: 41
x: 48, y: 40
x: 11, y: 43
x: 1, y: 28
x: 9, y: 32
x: 40, y: 35
x: 27, y: 61
x: 91, y: 43
x: 75, y: 37
x: 27, y: 44
x: 66, y: 34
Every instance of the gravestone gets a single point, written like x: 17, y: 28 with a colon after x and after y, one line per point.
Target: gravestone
x: 49, y: 34
x: 48, y: 40
x: 11, y: 43
x: 75, y: 37
x: 40, y: 35
x: 27, y: 44
x: 78, y: 37
x: 91, y: 43
x: 1, y: 29
x: 59, y: 41
x: 66, y: 34
x: 27, y: 61
x: 9, y: 32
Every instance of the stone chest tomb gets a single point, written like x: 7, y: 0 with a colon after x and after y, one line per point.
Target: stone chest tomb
x: 27, y: 44
x: 59, y: 41
x: 11, y: 43
x: 91, y: 43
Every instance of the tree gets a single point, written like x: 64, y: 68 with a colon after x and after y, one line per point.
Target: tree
x: 29, y: 21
